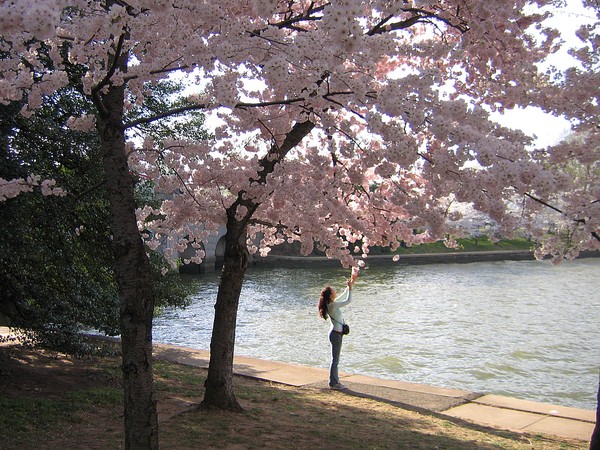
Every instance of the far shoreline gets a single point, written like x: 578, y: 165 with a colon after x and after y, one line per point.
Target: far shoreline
x: 409, y: 258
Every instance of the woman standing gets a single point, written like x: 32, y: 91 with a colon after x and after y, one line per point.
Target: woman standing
x: 329, y: 307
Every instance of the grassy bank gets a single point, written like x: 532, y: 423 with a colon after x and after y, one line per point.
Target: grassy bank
x: 50, y: 401
x: 482, y: 244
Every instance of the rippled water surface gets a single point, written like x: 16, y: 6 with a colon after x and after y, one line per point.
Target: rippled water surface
x: 525, y: 329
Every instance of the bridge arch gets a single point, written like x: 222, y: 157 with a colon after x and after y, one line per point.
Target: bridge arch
x: 214, y: 249
x: 220, y: 253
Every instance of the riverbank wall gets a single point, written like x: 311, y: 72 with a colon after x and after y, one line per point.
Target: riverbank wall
x: 407, y: 259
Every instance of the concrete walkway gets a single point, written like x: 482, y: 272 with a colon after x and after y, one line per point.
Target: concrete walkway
x: 490, y: 410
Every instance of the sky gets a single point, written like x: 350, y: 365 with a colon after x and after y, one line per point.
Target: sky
x: 547, y: 129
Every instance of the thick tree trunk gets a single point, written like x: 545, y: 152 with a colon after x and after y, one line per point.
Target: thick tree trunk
x: 595, y: 441
x: 219, y: 382
x: 134, y: 280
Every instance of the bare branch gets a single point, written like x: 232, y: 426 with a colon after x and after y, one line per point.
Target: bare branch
x: 542, y: 202
x: 91, y: 189
x: 594, y: 234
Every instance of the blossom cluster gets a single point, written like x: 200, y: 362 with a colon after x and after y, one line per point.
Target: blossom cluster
x: 14, y: 187
x: 398, y: 96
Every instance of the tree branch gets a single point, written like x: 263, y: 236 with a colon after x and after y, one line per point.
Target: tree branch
x: 419, y: 16
x: 106, y: 80
x: 381, y: 28
x: 276, y: 154
x: 163, y: 115
x: 93, y: 188
x: 594, y: 234
x: 542, y: 202
x: 189, y: 108
x: 268, y: 164
x: 306, y: 16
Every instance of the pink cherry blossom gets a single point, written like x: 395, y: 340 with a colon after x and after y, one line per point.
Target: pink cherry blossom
x: 398, y: 96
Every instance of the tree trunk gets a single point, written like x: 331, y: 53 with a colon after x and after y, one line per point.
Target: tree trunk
x: 219, y: 382
x: 133, y: 277
x: 595, y: 441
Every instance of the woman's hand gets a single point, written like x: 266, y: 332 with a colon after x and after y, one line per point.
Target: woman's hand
x: 352, y: 277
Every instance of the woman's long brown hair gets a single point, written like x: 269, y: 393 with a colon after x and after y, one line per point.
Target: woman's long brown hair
x: 324, y: 302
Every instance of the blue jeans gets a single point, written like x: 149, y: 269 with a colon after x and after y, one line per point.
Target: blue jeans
x: 336, y: 348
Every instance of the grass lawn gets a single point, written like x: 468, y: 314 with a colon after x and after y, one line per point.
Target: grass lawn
x: 51, y: 401
x: 482, y: 244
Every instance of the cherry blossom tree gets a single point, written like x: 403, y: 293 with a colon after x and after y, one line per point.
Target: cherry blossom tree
x: 344, y: 124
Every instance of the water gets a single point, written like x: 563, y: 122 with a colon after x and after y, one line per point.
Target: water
x: 524, y: 329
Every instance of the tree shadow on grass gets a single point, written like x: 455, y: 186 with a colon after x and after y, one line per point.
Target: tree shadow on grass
x: 278, y: 416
